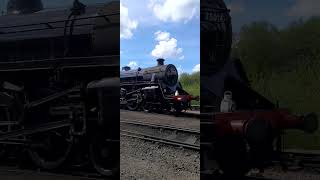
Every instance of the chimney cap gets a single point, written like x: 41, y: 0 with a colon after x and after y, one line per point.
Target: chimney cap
x: 160, y: 61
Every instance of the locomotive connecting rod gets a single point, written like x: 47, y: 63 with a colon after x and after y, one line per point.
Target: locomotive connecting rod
x: 37, y: 129
x: 49, y: 98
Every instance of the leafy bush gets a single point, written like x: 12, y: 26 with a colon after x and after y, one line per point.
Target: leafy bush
x: 283, y: 64
x: 191, y: 84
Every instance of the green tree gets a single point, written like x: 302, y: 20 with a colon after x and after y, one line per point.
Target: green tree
x: 283, y: 64
x: 191, y: 83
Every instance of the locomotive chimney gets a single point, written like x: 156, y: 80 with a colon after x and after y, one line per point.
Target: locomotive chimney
x: 160, y: 61
x: 126, y: 68
x: 23, y: 6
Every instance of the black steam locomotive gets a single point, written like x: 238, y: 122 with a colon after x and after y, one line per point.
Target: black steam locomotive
x: 153, y: 88
x: 58, y: 83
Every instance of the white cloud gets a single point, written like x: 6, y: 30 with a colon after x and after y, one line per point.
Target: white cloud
x: 127, y: 25
x: 166, y: 47
x: 236, y: 7
x: 180, y: 70
x: 175, y: 10
x: 304, y: 8
x: 196, y: 68
x: 162, y: 36
x: 133, y: 65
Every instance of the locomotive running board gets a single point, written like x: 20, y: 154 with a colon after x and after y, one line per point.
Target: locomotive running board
x: 63, y: 63
x: 36, y: 129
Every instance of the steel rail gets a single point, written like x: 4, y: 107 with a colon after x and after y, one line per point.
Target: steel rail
x: 305, y: 158
x: 53, y: 173
x: 158, y: 139
x: 160, y: 126
x: 187, y: 113
x: 219, y: 176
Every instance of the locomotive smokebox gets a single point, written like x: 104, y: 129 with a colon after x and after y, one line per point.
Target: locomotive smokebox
x: 23, y: 6
x: 126, y: 68
x: 160, y: 62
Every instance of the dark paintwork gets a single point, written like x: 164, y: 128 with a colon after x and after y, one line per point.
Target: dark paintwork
x: 41, y: 35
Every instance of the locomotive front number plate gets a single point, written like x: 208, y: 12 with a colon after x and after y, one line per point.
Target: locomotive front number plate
x: 211, y: 15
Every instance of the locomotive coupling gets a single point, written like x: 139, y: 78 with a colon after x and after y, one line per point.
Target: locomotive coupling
x: 307, y: 123
x: 310, y: 123
x: 196, y: 98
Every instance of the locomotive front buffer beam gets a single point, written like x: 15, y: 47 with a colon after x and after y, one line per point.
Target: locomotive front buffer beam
x: 252, y: 139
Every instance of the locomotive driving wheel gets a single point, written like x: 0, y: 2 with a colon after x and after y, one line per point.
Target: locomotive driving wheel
x: 231, y: 155
x: 50, y: 150
x: 177, y: 109
x: 134, y: 102
x: 104, y: 155
x: 146, y: 106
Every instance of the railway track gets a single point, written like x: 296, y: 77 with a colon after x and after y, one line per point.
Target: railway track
x: 16, y: 167
x: 161, y: 126
x: 220, y: 177
x: 303, y: 158
x: 180, y: 137
x: 189, y: 113
x: 13, y: 172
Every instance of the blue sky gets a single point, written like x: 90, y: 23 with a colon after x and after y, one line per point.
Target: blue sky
x: 151, y: 29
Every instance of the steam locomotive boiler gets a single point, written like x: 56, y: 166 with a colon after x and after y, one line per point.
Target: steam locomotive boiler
x: 58, y: 83
x: 153, y: 88
x: 240, y: 129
